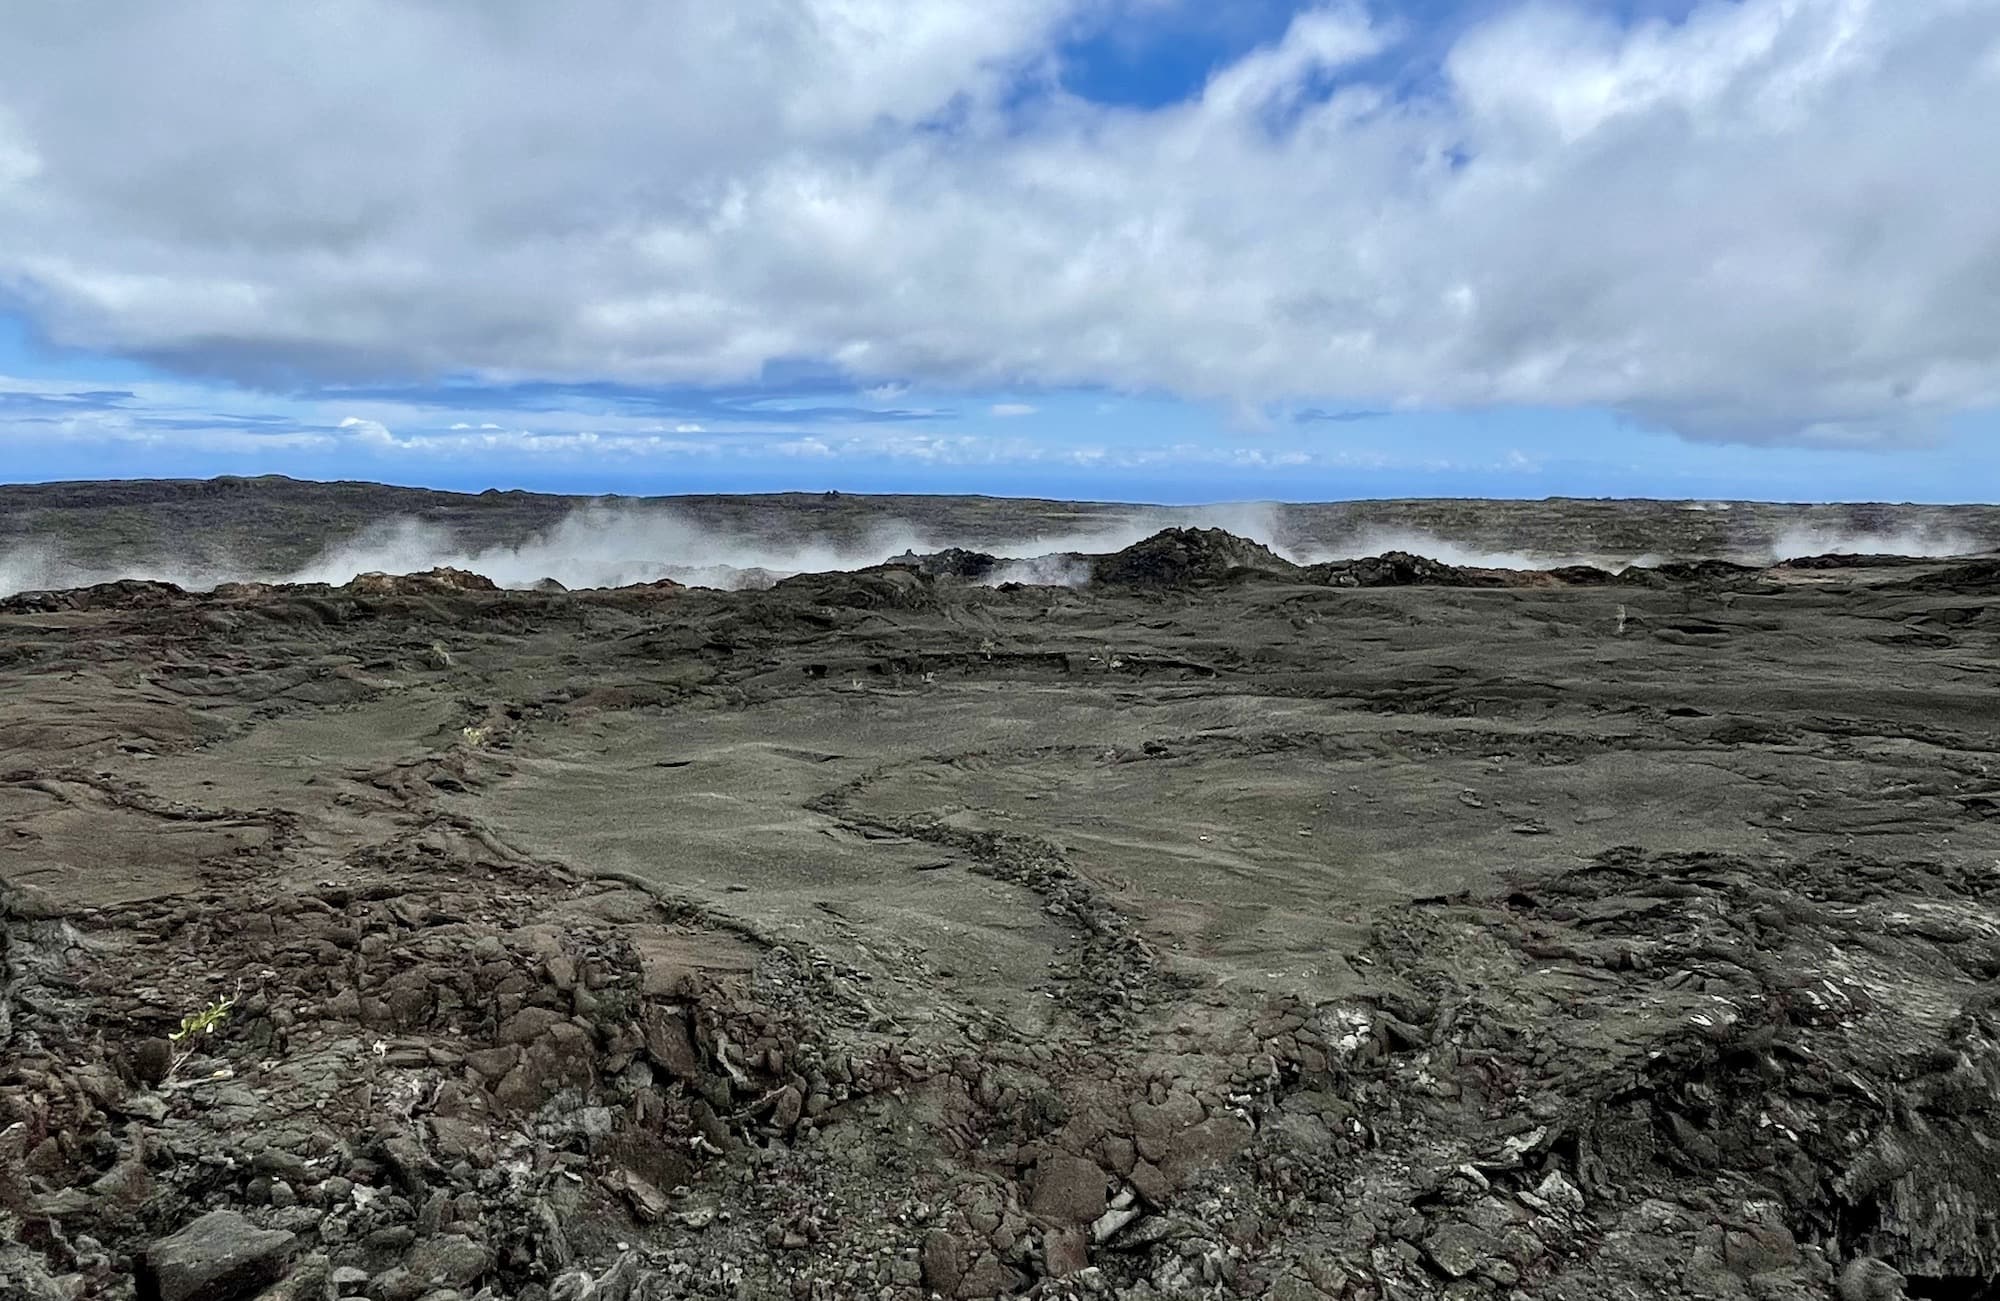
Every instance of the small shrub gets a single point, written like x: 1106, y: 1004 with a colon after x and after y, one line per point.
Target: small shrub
x: 195, y: 1026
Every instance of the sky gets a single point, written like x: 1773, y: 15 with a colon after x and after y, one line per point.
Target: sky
x: 1153, y: 250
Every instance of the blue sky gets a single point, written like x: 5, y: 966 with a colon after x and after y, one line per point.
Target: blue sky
x: 1124, y: 249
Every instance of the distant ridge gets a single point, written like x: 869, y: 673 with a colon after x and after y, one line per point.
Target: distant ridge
x: 274, y: 524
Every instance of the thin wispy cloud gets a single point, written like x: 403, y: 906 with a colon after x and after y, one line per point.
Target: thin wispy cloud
x: 30, y: 404
x: 1319, y: 415
x: 764, y: 403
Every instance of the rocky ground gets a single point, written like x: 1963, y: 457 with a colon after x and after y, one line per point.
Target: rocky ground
x: 1220, y: 927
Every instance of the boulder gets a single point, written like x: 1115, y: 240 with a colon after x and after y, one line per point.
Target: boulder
x: 941, y: 1262
x: 450, y: 1260
x: 219, y: 1257
x: 1214, y: 1142
x: 1068, y: 1190
x: 1459, y: 1249
x: 1182, y: 557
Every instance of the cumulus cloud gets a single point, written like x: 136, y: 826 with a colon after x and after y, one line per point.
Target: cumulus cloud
x: 1772, y: 221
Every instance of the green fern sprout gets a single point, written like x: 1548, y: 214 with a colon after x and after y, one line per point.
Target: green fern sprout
x: 194, y: 1026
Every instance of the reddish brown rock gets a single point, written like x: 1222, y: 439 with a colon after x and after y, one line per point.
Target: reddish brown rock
x: 1068, y: 1190
x: 1214, y: 1142
x: 493, y: 1062
x: 528, y: 1025
x: 1151, y: 1183
x: 1065, y: 1252
x: 1180, y: 1111
x: 940, y: 1259
x: 670, y: 1045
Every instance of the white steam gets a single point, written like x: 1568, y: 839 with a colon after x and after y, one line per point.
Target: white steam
x: 1802, y: 540
x: 1059, y: 570
x: 1374, y: 542
x: 599, y: 546
x: 1794, y: 542
x: 36, y: 567
x: 604, y: 546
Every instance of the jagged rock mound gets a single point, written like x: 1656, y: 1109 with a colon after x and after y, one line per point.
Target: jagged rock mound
x: 431, y: 580
x: 250, y: 591
x: 658, y: 587
x: 519, y: 1036
x: 1180, y: 557
x: 952, y: 562
x: 554, y: 585
x: 881, y: 587
x: 123, y: 594
x: 1582, y: 575
x: 1844, y: 560
x: 1401, y: 569
x: 1672, y: 572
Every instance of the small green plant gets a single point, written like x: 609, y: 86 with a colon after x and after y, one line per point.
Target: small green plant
x: 474, y: 736
x: 195, y: 1026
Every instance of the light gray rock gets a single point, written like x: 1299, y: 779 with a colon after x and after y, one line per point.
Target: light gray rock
x: 219, y: 1257
x: 1868, y: 1279
x: 1459, y: 1249
x: 449, y: 1260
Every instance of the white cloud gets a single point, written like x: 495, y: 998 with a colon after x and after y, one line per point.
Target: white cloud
x: 1275, y: 78
x: 1012, y: 409
x: 464, y: 439
x: 905, y: 444
x: 373, y: 432
x: 1778, y: 220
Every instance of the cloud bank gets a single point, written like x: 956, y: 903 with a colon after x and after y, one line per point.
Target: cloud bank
x: 1773, y: 221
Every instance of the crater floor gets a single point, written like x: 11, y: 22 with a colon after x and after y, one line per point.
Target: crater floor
x: 888, y: 936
